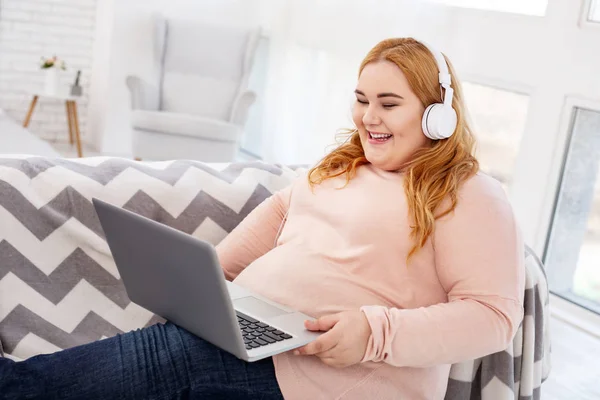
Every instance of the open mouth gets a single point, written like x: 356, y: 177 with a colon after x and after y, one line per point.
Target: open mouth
x: 379, y: 137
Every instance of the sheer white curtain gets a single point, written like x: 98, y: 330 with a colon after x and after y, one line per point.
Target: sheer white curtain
x: 315, y: 48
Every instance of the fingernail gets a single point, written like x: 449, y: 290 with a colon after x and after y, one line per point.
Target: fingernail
x: 296, y: 353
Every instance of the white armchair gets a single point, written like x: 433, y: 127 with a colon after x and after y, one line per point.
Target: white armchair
x: 199, y: 104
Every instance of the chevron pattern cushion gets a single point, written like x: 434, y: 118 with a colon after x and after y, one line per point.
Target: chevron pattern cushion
x: 59, y: 286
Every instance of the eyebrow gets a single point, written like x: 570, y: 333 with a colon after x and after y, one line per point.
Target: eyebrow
x: 380, y: 95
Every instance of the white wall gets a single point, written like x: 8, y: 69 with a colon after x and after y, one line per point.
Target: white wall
x: 30, y: 29
x: 99, y: 90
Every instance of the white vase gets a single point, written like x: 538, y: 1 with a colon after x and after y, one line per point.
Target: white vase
x: 51, y: 82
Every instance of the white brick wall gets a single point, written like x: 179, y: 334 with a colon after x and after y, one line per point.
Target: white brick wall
x: 30, y: 29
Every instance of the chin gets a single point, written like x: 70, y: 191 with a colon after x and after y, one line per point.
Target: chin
x: 383, y: 165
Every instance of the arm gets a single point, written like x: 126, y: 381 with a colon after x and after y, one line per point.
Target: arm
x: 479, y: 260
x: 241, y: 107
x: 254, y: 236
x: 144, y: 96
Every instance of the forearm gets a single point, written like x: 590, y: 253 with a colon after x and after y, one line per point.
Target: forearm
x: 442, y: 334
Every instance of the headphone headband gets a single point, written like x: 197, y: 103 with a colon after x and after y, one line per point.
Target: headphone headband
x: 439, y: 120
x: 444, y: 77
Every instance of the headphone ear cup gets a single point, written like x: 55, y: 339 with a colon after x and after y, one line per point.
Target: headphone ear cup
x: 448, y: 122
x: 426, y: 123
x: 439, y: 122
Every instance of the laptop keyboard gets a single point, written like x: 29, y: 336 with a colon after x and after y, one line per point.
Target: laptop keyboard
x: 257, y: 334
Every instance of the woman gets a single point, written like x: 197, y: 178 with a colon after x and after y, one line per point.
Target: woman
x: 407, y: 256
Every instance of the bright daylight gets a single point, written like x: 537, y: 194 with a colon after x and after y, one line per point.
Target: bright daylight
x: 300, y: 199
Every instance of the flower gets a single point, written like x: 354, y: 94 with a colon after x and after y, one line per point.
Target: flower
x: 52, y: 62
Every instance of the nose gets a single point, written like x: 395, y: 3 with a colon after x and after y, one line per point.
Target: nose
x: 371, y: 117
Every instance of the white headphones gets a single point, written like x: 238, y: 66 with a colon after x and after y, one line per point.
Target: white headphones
x: 439, y: 119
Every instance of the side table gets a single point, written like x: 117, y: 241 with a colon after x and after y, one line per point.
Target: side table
x: 72, y: 118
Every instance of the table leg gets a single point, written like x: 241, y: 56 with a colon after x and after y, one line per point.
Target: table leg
x: 30, y: 112
x: 76, y: 126
x: 69, y: 121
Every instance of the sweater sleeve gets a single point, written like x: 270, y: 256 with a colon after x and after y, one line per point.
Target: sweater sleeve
x: 255, y: 235
x: 479, y: 259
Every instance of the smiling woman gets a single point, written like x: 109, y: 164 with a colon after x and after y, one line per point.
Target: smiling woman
x: 404, y: 103
x: 353, y: 246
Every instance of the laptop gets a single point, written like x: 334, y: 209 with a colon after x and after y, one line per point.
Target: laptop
x: 178, y: 277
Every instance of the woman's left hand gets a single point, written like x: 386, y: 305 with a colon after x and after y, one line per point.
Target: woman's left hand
x: 345, y: 342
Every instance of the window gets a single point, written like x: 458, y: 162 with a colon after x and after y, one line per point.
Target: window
x: 498, y: 121
x: 573, y: 251
x: 594, y: 14
x: 528, y: 7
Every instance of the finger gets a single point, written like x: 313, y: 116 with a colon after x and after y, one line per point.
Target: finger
x: 323, y: 343
x: 322, y: 324
x: 333, y: 352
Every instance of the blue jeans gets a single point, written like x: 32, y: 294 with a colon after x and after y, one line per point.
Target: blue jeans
x: 159, y: 362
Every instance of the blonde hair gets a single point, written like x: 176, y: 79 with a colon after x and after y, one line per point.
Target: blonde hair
x: 434, y: 172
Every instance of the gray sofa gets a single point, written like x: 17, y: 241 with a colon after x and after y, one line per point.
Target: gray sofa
x: 59, y: 286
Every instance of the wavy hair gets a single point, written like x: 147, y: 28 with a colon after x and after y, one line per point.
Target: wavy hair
x: 436, y: 171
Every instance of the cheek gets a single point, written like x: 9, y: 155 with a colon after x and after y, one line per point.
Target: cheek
x: 407, y: 123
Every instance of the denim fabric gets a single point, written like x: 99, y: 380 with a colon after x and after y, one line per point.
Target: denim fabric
x: 159, y: 362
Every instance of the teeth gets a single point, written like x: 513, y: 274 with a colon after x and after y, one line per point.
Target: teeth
x: 380, y: 135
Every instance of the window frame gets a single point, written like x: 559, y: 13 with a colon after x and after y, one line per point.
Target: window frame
x: 585, y: 19
x: 568, y: 308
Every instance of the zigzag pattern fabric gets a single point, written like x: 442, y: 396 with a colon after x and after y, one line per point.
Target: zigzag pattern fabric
x: 59, y: 286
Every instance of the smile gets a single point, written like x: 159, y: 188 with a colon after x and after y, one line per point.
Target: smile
x: 376, y: 137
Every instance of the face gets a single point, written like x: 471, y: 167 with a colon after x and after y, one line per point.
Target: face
x: 388, y: 116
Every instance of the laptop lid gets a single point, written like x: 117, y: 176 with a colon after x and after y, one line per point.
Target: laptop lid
x: 172, y: 274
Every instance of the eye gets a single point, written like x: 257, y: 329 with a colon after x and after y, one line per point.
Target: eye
x: 388, y: 106
x: 362, y: 102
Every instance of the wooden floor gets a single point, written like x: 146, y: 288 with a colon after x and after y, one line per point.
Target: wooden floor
x: 575, y: 373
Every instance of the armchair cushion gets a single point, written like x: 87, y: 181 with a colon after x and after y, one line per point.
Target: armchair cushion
x: 198, y: 95
x: 186, y: 125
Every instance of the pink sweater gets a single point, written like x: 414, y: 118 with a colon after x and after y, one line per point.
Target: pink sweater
x: 459, y: 298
